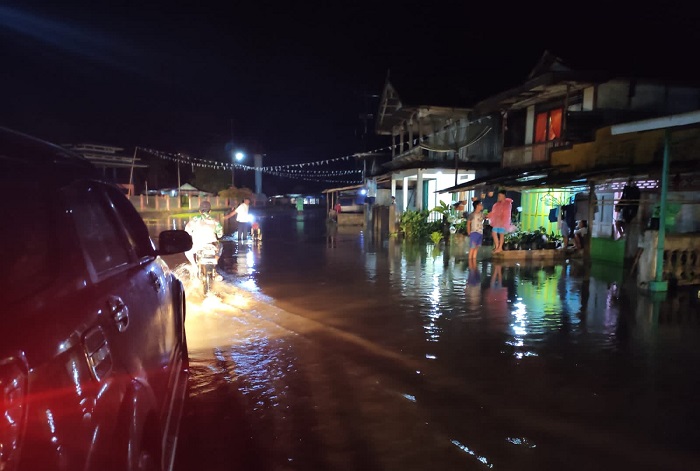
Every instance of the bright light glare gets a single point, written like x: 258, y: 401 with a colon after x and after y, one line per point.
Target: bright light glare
x: 239, y: 156
x: 363, y: 191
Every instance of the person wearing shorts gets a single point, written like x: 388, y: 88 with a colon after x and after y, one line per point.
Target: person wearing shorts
x: 500, y: 219
x: 475, y: 229
x: 580, y: 233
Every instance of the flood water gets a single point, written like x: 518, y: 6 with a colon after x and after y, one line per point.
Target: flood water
x: 324, y: 349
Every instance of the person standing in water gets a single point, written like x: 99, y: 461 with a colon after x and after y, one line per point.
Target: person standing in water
x: 500, y: 219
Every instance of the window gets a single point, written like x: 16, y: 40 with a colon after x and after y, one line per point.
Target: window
x: 548, y: 125
x: 100, y: 235
x: 136, y: 230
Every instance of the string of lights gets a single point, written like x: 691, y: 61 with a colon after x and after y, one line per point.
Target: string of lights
x: 320, y: 180
x: 322, y: 176
x: 197, y: 162
x: 313, y: 178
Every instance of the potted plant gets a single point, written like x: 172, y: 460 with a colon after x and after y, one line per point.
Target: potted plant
x: 539, y: 237
x: 552, y: 241
x: 436, y: 237
x: 511, y: 241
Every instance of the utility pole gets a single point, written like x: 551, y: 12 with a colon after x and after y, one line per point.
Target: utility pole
x: 258, y: 158
x: 233, y: 164
x: 131, y: 173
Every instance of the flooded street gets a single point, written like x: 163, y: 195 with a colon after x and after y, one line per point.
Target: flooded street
x: 323, y: 349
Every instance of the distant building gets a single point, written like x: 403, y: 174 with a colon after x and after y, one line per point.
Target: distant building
x: 434, y: 143
x: 114, y: 164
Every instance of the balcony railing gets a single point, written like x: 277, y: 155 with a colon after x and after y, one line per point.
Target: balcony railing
x: 516, y: 156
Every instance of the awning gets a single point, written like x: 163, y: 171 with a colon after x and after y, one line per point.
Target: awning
x: 344, y: 188
x: 505, y: 177
x: 521, y: 178
x: 384, y: 178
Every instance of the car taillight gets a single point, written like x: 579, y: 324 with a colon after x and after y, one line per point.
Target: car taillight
x: 13, y: 389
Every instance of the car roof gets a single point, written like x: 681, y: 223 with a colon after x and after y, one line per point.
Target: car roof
x: 21, y: 152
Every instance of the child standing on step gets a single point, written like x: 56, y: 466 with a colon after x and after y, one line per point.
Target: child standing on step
x: 475, y: 228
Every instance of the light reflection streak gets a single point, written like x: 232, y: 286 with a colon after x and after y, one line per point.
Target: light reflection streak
x: 409, y: 397
x: 76, y: 377
x: 250, y: 261
x: 431, y: 329
x: 466, y: 449
x: 50, y: 421
x: 521, y: 441
x: 101, y: 391
x: 519, y: 327
x: 250, y: 285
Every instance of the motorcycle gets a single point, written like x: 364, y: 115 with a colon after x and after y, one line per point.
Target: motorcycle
x: 255, y: 231
x: 207, y: 258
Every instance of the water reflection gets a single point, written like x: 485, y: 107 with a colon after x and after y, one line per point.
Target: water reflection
x: 356, y: 352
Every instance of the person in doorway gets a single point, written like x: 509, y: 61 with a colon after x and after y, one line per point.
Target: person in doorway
x: 242, y: 218
x: 567, y: 223
x: 204, y: 230
x: 627, y: 207
x: 579, y: 233
x: 500, y: 219
x: 397, y: 211
x: 475, y: 228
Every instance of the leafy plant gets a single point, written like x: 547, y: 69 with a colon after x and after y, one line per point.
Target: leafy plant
x: 414, y: 224
x: 554, y: 237
x: 434, y: 226
x: 453, y: 216
x: 436, y: 237
x: 442, y: 208
x: 512, y: 237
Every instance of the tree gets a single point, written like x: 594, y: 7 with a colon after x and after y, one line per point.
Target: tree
x: 211, y: 180
x: 236, y: 193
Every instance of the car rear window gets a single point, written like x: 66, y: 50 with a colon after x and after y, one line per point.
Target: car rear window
x: 29, y: 248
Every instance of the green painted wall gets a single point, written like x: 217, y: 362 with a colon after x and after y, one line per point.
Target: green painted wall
x: 608, y: 250
x: 536, y: 205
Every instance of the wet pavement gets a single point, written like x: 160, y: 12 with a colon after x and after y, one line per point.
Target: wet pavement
x: 324, y: 349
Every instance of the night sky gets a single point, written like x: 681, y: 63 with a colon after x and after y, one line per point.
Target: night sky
x: 289, y: 79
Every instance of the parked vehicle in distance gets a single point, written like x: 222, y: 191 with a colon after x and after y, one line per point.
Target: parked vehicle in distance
x: 93, y: 352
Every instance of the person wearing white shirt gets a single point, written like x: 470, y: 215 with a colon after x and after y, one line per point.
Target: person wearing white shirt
x: 242, y: 217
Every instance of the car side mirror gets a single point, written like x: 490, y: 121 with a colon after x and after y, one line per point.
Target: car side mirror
x: 172, y: 242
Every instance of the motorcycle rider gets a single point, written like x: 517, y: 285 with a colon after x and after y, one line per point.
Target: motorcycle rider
x: 204, y: 230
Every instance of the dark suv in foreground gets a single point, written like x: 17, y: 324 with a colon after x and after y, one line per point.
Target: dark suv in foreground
x: 93, y: 355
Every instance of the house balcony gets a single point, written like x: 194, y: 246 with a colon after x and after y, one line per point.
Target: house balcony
x: 533, y: 153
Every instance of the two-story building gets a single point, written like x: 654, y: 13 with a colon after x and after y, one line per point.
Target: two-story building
x: 435, y: 144
x: 556, y: 143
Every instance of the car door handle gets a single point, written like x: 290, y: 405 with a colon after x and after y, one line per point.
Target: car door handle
x: 119, y: 312
x: 155, y: 280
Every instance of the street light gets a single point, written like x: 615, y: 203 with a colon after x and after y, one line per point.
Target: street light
x: 238, y: 156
